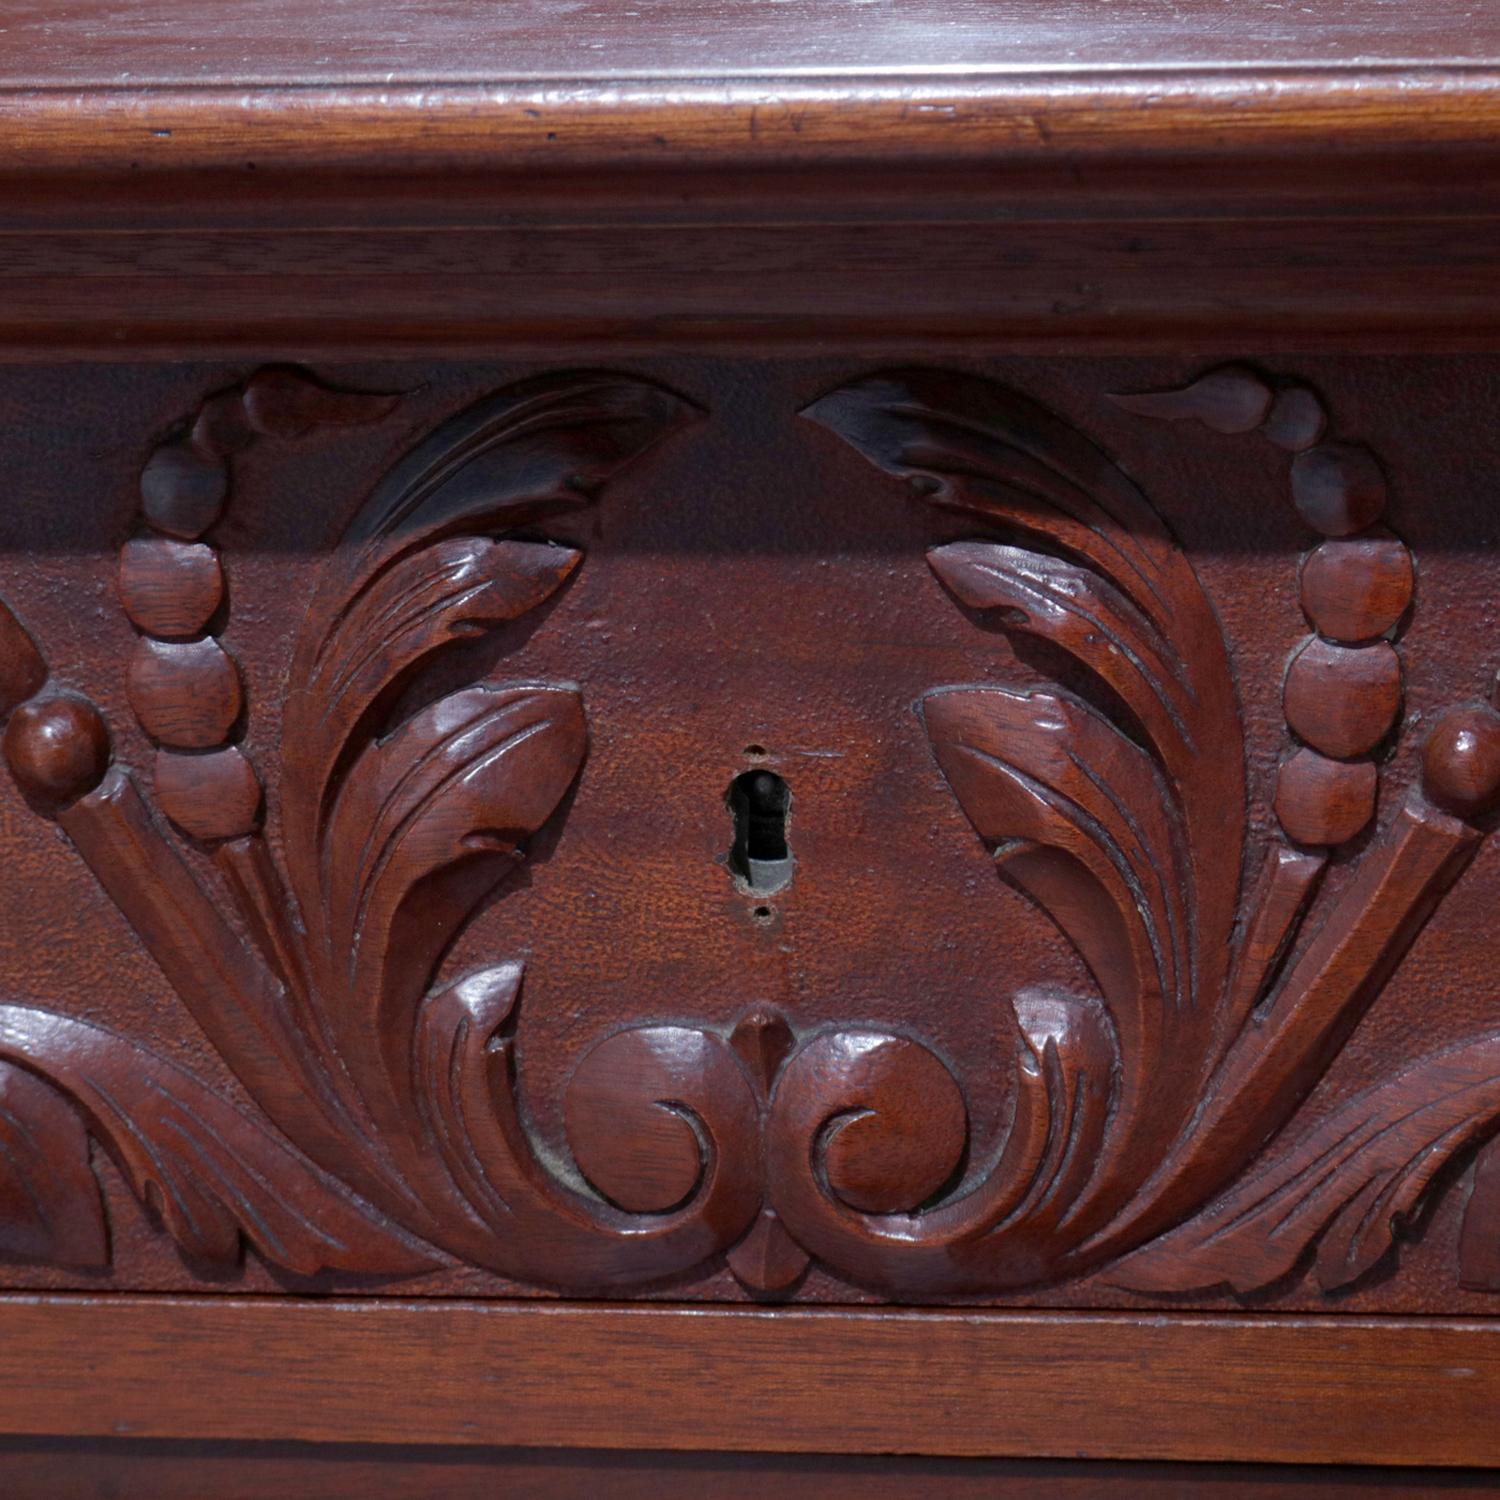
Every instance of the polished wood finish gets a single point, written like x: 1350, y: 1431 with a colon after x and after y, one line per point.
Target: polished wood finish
x: 295, y: 179
x: 79, y: 43
x: 385, y: 1131
x: 830, y: 666
x: 1327, y: 1390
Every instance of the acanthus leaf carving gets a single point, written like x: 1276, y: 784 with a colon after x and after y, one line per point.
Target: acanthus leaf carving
x: 212, y: 1171
x: 394, y: 826
x: 1123, y: 817
x: 1152, y: 1124
x: 1343, y: 1191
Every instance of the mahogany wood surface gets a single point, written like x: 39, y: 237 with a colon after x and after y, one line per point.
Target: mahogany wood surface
x: 288, y: 179
x: 1259, y: 1389
x: 748, y: 729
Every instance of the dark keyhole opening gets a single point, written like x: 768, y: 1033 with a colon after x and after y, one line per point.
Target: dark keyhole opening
x: 761, y: 857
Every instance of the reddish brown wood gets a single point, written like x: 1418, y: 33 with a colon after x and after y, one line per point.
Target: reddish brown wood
x: 1479, y: 1246
x: 57, y: 748
x: 380, y: 906
x: 182, y: 493
x: 768, y: 1261
x: 316, y: 970
x: 1296, y: 419
x: 1338, y: 488
x: 170, y: 589
x: 209, y: 797
x: 186, y: 695
x: 85, y: 42
x: 1461, y: 760
x: 1226, y: 400
x: 1181, y: 175
x: 1343, y: 700
x: 22, y: 670
x: 939, y: 1383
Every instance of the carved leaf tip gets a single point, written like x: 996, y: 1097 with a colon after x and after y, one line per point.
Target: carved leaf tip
x: 23, y: 670
x: 51, y: 1208
x: 533, y: 445
x: 768, y: 1262
x: 1348, y: 1187
x: 282, y: 401
x: 487, y: 998
x: 762, y: 1039
x: 918, y: 424
x: 216, y: 1175
x: 1230, y: 399
x: 1020, y: 761
x: 981, y: 574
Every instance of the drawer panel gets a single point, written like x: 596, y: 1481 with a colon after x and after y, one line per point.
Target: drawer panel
x: 996, y: 831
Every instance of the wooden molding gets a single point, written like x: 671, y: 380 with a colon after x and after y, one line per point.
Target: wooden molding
x: 1248, y: 1388
x: 664, y: 123
x: 1095, y: 208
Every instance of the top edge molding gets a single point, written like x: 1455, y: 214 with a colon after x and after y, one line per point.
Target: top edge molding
x: 648, y: 124
x: 88, y: 43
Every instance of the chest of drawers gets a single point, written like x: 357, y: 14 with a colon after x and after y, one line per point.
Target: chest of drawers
x: 757, y: 732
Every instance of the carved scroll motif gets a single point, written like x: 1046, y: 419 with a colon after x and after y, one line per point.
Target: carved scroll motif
x: 1153, y: 1120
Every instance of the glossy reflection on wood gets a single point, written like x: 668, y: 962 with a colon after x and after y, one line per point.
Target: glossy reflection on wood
x: 760, y: 655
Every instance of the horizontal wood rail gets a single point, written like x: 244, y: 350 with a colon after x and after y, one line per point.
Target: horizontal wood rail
x: 1252, y: 1388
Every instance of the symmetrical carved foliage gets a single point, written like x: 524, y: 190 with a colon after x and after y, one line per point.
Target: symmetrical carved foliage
x: 1152, y: 1121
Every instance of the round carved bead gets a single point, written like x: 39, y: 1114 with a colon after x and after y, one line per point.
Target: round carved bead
x: 182, y: 493
x: 209, y: 797
x: 57, y: 749
x: 22, y: 670
x: 186, y: 695
x: 1343, y: 699
x: 1461, y: 761
x: 1357, y: 589
x: 170, y: 588
x: 222, y: 427
x: 1321, y: 801
x: 1296, y: 420
x: 1338, y: 488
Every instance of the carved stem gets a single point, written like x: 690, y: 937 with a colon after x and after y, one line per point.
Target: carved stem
x: 260, y: 895
x: 230, y: 992
x: 1288, y: 880
x: 1279, y: 1057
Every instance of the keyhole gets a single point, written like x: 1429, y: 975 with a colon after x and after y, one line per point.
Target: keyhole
x: 760, y: 801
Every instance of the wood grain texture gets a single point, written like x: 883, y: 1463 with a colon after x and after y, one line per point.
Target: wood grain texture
x: 388, y: 901
x: 1149, y: 174
x: 1294, y: 280
x: 1330, y: 1390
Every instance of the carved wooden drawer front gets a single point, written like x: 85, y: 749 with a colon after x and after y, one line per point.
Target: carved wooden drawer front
x: 1007, y: 831
x: 764, y: 733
